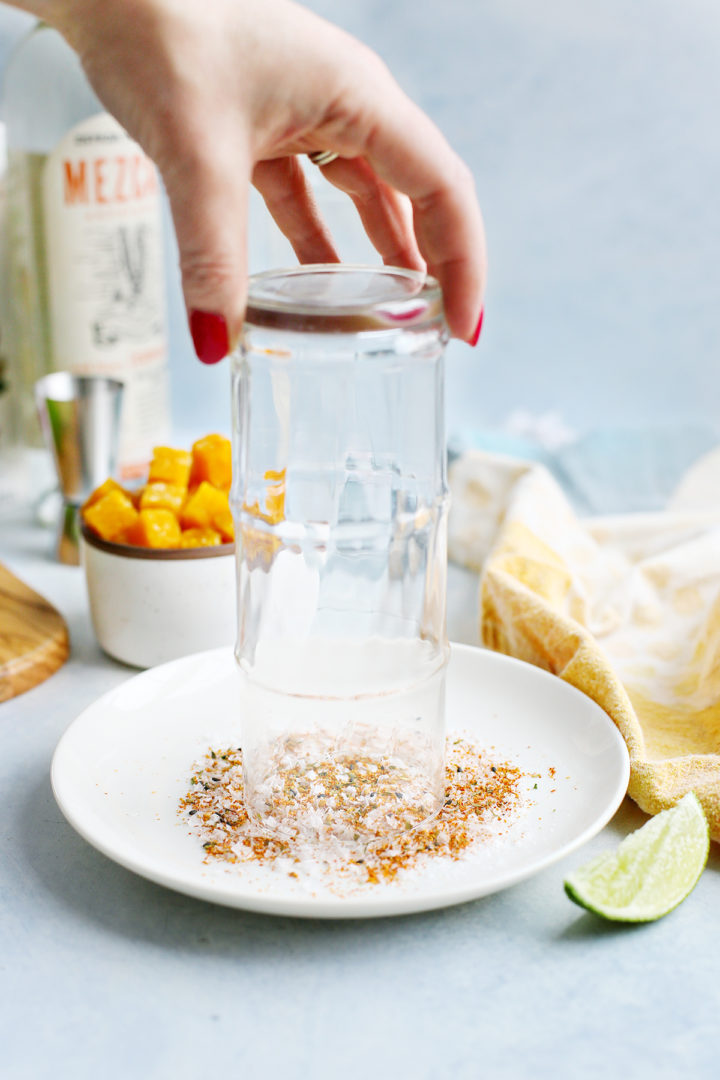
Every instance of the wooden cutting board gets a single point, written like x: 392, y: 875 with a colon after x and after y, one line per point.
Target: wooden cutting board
x: 34, y: 640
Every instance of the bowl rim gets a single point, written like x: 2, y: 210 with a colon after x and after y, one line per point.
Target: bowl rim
x: 129, y: 551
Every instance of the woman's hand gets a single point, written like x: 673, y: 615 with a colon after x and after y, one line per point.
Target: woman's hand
x: 222, y: 93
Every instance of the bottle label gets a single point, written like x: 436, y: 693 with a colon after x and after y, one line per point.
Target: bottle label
x: 105, y: 284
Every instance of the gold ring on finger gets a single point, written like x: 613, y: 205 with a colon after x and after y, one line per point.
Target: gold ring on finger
x: 323, y: 157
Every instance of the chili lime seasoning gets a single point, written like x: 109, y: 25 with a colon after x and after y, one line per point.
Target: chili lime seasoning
x: 482, y: 797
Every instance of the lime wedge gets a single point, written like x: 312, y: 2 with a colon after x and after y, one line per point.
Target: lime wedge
x: 652, y: 871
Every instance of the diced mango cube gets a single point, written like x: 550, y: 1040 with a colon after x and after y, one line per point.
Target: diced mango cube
x: 111, y: 515
x: 170, y: 466
x: 223, y: 522
x: 203, y: 506
x: 105, y: 488
x: 212, y: 461
x: 200, y: 538
x: 155, y: 529
x: 160, y: 496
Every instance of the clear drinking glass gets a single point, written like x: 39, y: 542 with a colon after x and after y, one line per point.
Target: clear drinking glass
x: 340, y: 504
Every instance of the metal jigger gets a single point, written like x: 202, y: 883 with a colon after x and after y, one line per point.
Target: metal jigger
x: 80, y: 420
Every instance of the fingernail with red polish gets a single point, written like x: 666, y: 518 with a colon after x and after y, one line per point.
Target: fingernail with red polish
x: 476, y: 336
x: 210, y: 336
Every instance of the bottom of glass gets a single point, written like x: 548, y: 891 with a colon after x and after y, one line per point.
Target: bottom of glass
x: 342, y: 764
x: 315, y: 786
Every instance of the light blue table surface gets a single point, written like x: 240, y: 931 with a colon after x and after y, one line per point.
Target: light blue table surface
x: 105, y: 974
x: 592, y: 130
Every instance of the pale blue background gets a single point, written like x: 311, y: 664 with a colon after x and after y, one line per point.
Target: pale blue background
x: 593, y: 132
x: 592, y: 129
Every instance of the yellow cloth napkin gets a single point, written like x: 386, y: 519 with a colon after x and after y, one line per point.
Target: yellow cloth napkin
x: 625, y: 608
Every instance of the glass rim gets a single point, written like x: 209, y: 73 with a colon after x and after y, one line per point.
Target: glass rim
x: 319, y: 298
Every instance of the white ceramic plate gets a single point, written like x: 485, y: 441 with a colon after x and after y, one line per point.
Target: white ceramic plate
x: 121, y: 767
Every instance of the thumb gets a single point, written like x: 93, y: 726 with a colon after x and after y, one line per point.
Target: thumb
x: 209, y: 199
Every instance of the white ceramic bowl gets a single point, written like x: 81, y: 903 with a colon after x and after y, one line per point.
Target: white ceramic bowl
x: 149, y: 606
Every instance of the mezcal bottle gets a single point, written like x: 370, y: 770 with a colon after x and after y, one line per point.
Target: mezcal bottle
x: 84, y: 245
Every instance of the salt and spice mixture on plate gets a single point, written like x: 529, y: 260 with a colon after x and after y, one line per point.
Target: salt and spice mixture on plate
x: 482, y: 799
x: 309, y: 790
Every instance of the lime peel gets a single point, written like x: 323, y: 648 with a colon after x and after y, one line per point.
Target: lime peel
x: 652, y: 871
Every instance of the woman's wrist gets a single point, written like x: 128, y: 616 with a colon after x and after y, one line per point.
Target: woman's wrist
x: 70, y: 17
